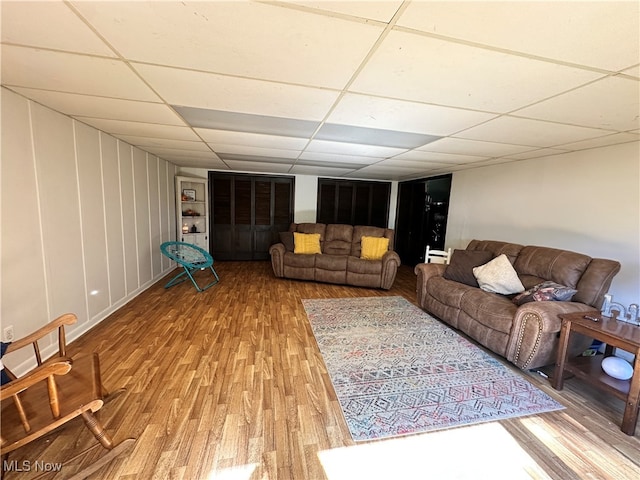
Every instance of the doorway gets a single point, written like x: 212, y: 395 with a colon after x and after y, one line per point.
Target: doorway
x: 423, y: 209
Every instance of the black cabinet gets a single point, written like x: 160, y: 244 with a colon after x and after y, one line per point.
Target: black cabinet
x: 353, y: 202
x: 423, y: 208
x: 247, y: 214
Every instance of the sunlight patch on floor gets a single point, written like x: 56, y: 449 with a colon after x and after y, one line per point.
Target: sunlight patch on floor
x: 479, y: 451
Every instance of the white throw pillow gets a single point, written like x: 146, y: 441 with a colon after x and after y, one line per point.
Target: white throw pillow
x: 498, y: 276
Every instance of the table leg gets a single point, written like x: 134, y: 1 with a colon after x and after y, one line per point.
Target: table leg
x: 630, y: 417
x: 561, y: 359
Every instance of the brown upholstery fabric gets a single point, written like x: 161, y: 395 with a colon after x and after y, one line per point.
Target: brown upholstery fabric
x: 286, y: 238
x: 526, y: 335
x: 561, y: 266
x: 460, y: 268
x: 339, y: 261
x: 338, y: 240
x: 595, y: 281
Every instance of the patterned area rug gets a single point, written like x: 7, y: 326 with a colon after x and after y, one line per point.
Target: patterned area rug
x: 398, y: 371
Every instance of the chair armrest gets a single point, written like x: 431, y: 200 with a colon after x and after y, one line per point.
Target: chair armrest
x: 66, y: 319
x: 424, y: 272
x: 59, y: 367
x: 533, y: 340
x: 390, y: 264
x: 277, y: 252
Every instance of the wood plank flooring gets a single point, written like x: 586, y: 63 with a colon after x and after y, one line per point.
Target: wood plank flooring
x: 229, y: 383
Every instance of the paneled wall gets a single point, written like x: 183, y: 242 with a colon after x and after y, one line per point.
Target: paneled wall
x: 83, y: 215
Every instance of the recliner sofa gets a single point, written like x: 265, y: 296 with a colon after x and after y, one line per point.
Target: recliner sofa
x: 340, y: 260
x: 527, y: 334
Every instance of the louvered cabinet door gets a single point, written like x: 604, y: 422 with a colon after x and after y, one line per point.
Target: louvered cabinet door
x: 252, y: 210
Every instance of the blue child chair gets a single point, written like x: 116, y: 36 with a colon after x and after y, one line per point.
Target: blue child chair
x: 191, y: 258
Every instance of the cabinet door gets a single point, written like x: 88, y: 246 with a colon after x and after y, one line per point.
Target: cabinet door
x: 353, y: 202
x: 249, y: 211
x: 198, y: 239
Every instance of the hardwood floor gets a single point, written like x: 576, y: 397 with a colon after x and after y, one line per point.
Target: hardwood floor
x: 229, y: 383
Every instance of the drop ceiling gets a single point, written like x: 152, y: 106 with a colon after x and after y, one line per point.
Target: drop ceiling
x: 387, y: 90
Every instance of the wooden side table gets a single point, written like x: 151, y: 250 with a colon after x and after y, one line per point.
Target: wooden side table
x: 589, y: 369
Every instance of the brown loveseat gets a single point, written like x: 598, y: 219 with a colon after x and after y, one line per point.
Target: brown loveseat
x: 340, y: 260
x: 527, y: 334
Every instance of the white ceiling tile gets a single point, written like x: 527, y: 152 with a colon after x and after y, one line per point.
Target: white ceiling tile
x: 220, y: 92
x: 382, y: 11
x: 173, y: 153
x: 247, y: 166
x: 633, y: 71
x: 49, y: 24
x: 387, y: 173
x: 337, y: 158
x: 221, y: 149
x: 601, y: 141
x: 473, y: 147
x: 139, y: 129
x: 325, y: 146
x: 66, y: 72
x: 585, y: 32
x: 104, y: 108
x: 240, y: 38
x: 434, y: 71
x: 541, y: 152
x: 534, y: 133
x: 394, y: 162
x: 612, y: 103
x: 320, y: 171
x: 384, y: 113
x: 226, y: 137
x: 148, y: 142
x: 438, y: 157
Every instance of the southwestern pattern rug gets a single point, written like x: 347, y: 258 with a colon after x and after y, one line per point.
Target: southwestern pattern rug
x: 397, y: 370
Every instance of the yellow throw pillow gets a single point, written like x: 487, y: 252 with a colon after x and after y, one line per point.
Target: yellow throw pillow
x: 373, y: 248
x: 306, y: 243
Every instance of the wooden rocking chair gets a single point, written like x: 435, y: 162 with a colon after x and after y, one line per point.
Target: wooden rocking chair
x: 53, y: 393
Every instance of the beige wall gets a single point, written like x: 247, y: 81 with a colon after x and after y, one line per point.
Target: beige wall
x: 587, y: 201
x: 83, y: 215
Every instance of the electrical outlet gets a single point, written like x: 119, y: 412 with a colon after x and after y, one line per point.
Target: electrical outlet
x: 8, y: 333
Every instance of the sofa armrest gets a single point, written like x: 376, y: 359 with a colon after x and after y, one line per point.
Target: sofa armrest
x: 390, y: 264
x: 533, y: 341
x: 425, y: 271
x: 277, y: 252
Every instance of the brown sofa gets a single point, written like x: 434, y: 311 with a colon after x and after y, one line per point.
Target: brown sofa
x: 526, y: 335
x: 340, y: 260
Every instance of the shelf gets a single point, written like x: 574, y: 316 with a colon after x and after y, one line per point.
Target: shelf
x: 589, y: 369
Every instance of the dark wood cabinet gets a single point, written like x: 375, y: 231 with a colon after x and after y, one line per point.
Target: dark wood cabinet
x: 423, y: 208
x: 247, y: 214
x: 353, y: 202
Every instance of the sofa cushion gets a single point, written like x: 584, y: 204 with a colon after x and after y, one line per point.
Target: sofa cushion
x: 373, y: 248
x: 286, y: 238
x: 494, y: 311
x: 446, y: 291
x: 561, y: 266
x: 306, y: 243
x: 337, y: 239
x: 460, y: 268
x: 545, y: 292
x: 511, y: 250
x: 498, y: 276
x: 331, y: 262
x: 360, y: 231
x: 358, y: 265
